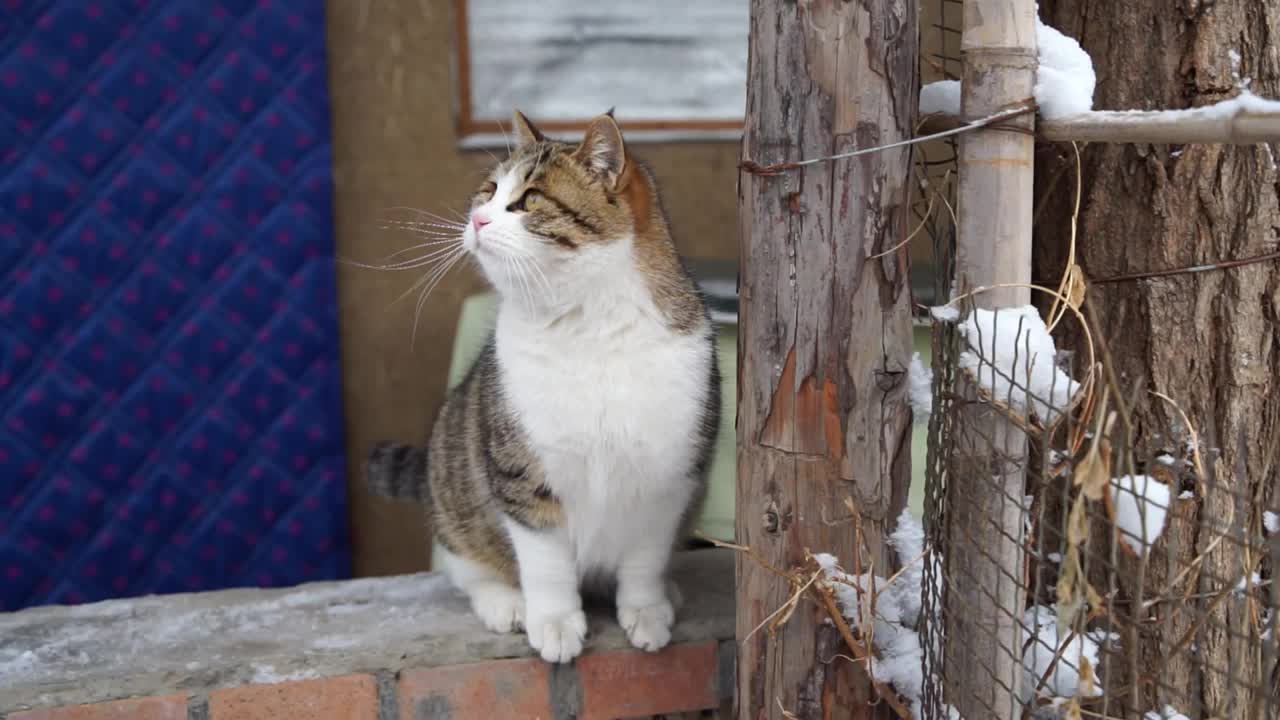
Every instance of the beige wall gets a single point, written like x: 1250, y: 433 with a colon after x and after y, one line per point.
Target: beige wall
x: 393, y: 96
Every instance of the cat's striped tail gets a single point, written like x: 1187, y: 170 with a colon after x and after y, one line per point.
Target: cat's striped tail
x: 398, y: 471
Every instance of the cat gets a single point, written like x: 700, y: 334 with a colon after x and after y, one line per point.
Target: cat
x: 576, y: 449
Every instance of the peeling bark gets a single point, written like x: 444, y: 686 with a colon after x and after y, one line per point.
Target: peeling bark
x: 825, y: 334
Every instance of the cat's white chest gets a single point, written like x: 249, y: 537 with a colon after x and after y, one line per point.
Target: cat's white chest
x: 614, y: 413
x: 634, y: 396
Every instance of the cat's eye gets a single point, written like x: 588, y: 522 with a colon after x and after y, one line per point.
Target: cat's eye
x: 489, y: 188
x: 528, y: 200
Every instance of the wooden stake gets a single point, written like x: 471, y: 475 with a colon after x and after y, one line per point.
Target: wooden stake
x: 984, y: 597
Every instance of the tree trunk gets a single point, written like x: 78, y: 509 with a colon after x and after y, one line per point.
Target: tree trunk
x: 825, y: 333
x: 1207, y: 340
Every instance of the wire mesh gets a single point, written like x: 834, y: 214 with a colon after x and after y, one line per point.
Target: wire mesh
x: 1141, y: 579
x: 1141, y: 582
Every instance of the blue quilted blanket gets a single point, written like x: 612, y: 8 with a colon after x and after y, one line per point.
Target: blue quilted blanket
x: 170, y: 416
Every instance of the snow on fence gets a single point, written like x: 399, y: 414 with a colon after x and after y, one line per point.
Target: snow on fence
x: 1129, y: 610
x: 1075, y: 564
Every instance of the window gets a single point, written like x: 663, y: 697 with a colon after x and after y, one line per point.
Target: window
x: 674, y: 69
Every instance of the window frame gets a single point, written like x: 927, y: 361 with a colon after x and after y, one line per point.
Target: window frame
x: 478, y: 132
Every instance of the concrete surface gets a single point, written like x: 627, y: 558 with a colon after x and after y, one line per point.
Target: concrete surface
x: 195, y: 642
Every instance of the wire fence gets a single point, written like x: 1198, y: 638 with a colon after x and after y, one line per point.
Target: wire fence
x: 1082, y: 567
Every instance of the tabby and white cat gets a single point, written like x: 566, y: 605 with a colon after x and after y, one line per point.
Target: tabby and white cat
x: 576, y: 449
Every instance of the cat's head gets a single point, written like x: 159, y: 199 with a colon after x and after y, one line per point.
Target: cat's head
x: 555, y: 212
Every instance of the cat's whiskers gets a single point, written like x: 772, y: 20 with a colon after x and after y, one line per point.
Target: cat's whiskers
x: 425, y: 245
x: 438, y: 262
x: 532, y: 279
x: 421, y: 261
x: 436, y: 237
x: 519, y: 264
x: 433, y: 217
x: 523, y: 261
x: 420, y: 226
x: 542, y: 277
x: 450, y: 240
x: 520, y: 287
x: 530, y: 268
x: 505, y: 138
x: 435, y: 276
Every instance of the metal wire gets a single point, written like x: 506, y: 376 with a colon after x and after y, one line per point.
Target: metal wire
x: 1178, y: 611
x: 1181, y: 618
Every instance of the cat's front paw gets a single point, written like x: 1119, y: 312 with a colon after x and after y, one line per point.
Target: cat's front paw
x: 558, y: 637
x: 500, y: 607
x: 648, y: 627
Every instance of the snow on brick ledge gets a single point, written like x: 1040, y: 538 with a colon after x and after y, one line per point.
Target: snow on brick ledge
x: 398, y: 648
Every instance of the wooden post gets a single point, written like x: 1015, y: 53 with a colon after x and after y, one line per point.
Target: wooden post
x: 985, y: 511
x: 825, y: 333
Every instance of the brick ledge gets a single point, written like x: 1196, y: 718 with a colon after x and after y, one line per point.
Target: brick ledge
x: 194, y: 643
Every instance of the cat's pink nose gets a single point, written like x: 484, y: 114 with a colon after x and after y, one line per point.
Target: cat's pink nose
x: 479, y: 220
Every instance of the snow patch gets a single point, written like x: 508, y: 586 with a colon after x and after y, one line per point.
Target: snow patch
x: 1247, y: 583
x: 1065, y: 78
x: 1167, y: 713
x: 1245, y: 101
x: 826, y: 561
x: 1064, y: 681
x: 1012, y: 356
x: 945, y: 313
x: 893, y: 608
x: 920, y: 388
x: 907, y: 541
x: 1271, y: 522
x: 1065, y: 81
x: 942, y: 97
x: 1141, y: 504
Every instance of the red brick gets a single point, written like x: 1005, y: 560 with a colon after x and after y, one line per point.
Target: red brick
x: 627, y: 684
x: 350, y: 697
x: 478, y: 691
x: 164, y: 707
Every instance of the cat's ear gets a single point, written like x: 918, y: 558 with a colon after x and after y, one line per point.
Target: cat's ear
x: 526, y: 133
x: 602, y: 151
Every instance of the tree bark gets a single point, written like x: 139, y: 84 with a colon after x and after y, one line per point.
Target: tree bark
x: 1208, y: 340
x: 825, y: 333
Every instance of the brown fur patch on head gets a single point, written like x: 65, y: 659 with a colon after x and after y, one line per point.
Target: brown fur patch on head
x: 597, y: 192
x: 574, y: 195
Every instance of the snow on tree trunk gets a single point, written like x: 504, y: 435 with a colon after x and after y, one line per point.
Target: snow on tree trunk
x: 1208, y: 340
x: 825, y: 336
